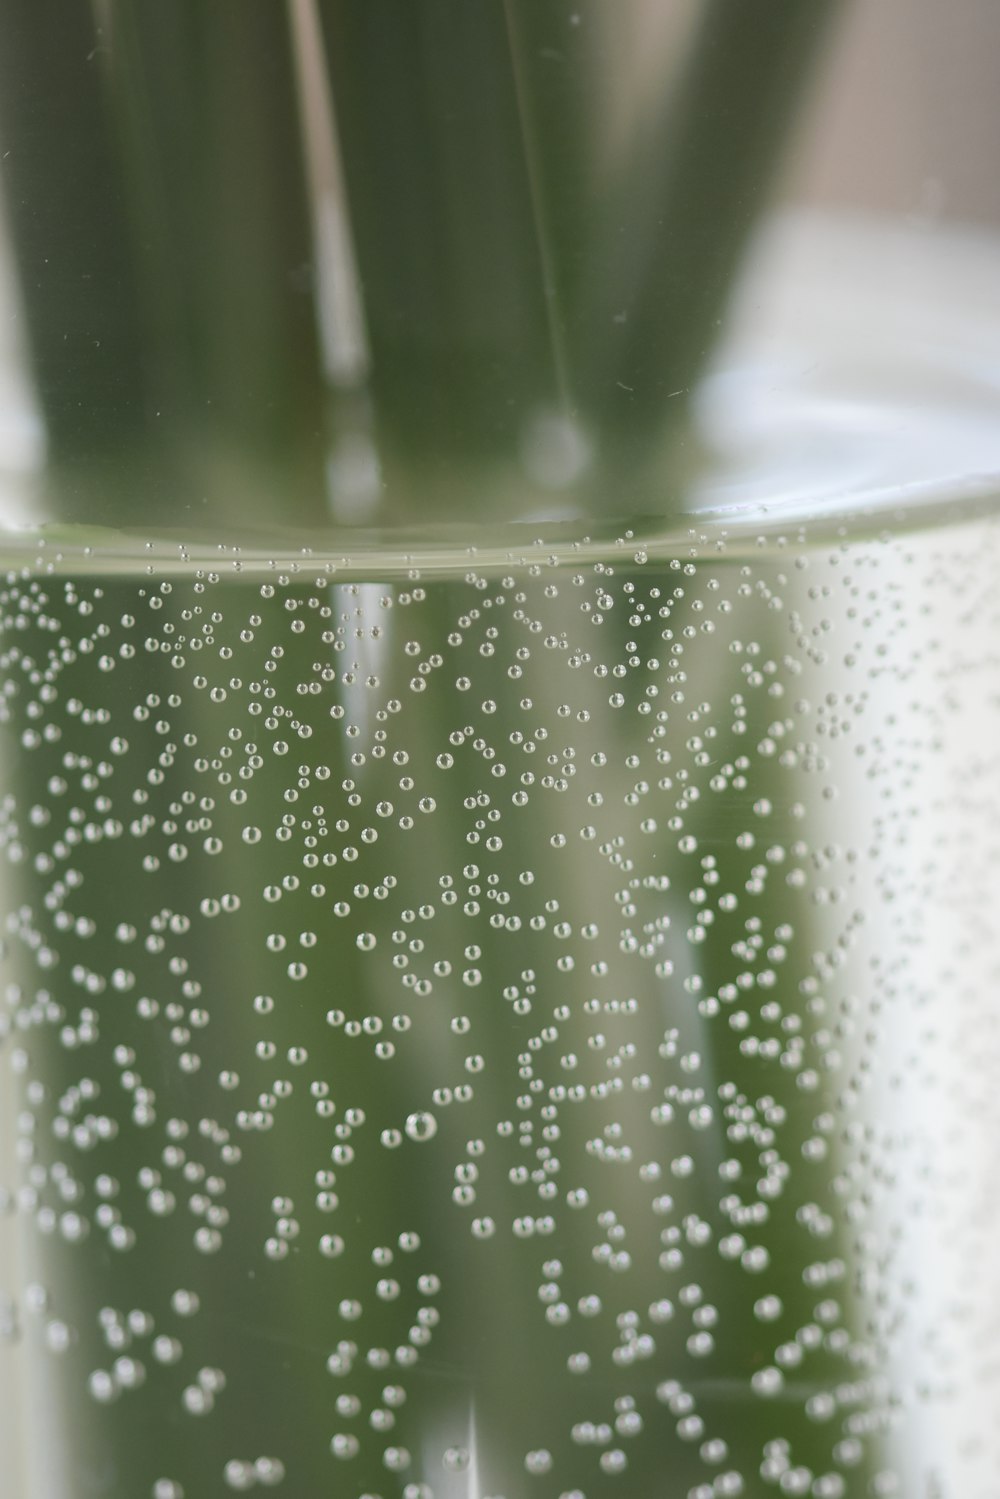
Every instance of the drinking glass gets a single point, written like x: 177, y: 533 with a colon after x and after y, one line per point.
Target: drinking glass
x: 499, y: 780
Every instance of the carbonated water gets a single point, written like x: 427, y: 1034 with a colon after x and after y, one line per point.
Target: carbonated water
x: 500, y: 1022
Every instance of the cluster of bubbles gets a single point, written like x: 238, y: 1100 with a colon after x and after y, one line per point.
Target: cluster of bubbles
x: 490, y: 1022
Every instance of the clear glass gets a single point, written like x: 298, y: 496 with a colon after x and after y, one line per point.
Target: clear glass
x: 499, y: 786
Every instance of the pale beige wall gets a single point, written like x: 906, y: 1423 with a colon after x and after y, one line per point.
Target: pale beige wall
x: 904, y: 113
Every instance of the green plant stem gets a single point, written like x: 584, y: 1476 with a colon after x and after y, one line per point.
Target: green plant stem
x: 166, y: 246
x: 68, y: 213
x: 669, y: 239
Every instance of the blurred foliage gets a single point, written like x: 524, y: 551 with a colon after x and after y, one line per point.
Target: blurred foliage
x: 544, y: 249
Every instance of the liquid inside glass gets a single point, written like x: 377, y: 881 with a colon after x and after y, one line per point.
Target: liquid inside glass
x: 504, y: 1021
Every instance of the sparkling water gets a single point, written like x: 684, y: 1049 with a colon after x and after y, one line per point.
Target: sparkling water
x: 503, y: 1021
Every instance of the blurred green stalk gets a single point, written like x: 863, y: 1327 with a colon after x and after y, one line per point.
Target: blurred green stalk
x: 541, y: 261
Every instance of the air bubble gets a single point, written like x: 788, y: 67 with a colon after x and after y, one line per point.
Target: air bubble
x: 421, y: 1125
